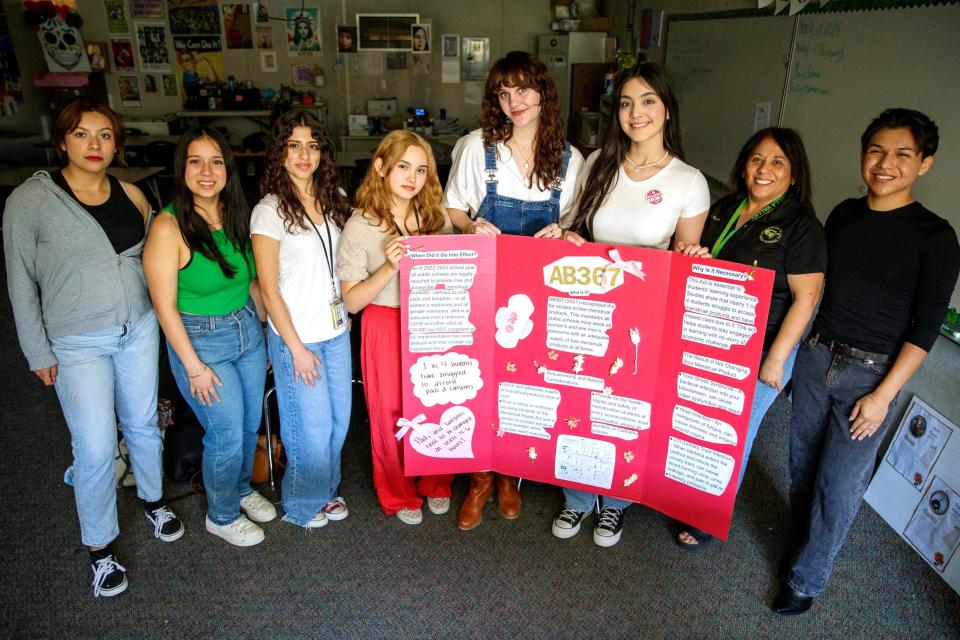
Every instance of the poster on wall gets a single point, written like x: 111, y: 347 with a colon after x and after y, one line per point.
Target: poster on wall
x: 116, y: 16
x: 346, y: 38
x: 169, y: 84
x: 122, y: 50
x: 129, y: 88
x: 199, y: 61
x: 152, y: 46
x: 237, y: 26
x: 303, y: 31
x: 420, y: 38
x: 194, y: 17
x: 385, y: 31
x: 915, y: 488
x: 146, y: 9
x: 620, y: 371
x: 62, y: 46
x: 265, y: 37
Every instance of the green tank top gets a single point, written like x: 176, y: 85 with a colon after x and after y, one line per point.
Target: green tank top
x: 203, y: 289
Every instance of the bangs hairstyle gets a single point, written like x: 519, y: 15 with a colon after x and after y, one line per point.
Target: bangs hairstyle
x: 603, y: 174
x: 791, y: 144
x: 324, y: 183
x: 924, y: 130
x: 525, y: 70
x: 235, y: 215
x: 69, y: 119
x: 375, y: 199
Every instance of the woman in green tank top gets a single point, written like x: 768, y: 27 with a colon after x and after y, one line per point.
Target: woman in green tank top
x: 202, y: 282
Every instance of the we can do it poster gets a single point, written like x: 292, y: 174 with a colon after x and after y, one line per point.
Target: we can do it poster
x: 620, y: 371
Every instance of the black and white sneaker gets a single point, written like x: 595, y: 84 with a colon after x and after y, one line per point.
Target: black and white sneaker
x: 609, y: 527
x: 567, y: 523
x: 166, y: 525
x: 109, y: 577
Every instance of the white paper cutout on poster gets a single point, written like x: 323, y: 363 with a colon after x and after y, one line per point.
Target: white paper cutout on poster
x: 709, y: 393
x: 696, y: 425
x: 585, y: 460
x: 934, y: 530
x: 513, y: 321
x: 526, y: 409
x: 452, y: 438
x: 438, y: 318
x: 721, y: 299
x: 579, y: 326
x: 451, y: 378
x: 713, y: 365
x: 573, y: 380
x: 620, y: 411
x: 716, y: 332
x: 699, y: 467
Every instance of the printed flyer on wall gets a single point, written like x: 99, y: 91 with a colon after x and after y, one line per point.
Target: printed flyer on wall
x: 621, y: 371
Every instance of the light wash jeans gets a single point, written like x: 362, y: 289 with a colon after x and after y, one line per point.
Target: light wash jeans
x: 763, y: 397
x: 313, y: 424
x: 102, y: 376
x: 829, y: 471
x: 585, y: 501
x: 231, y: 345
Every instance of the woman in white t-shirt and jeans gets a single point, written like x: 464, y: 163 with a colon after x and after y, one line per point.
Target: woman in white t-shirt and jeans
x: 635, y: 190
x: 294, y: 230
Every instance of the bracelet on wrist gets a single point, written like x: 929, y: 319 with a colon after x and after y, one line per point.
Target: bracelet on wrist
x: 203, y: 367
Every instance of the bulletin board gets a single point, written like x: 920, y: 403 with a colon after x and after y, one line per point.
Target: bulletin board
x: 621, y: 371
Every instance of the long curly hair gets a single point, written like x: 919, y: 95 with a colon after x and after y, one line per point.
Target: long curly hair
x: 522, y: 69
x: 374, y: 197
x: 603, y: 174
x: 235, y: 214
x: 325, y: 183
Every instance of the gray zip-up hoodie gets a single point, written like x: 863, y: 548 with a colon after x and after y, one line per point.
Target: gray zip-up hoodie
x: 63, y: 274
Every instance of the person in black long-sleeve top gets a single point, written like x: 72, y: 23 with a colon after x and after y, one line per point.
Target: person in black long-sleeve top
x: 891, y: 268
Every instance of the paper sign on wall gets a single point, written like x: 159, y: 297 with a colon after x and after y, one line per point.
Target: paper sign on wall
x: 621, y: 371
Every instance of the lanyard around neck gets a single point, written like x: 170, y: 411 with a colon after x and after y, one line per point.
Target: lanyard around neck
x: 328, y: 257
x: 416, y: 216
x: 731, y: 229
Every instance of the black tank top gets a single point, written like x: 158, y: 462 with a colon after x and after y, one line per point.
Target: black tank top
x: 119, y: 217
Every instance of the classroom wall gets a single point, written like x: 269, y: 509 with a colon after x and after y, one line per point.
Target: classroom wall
x: 509, y: 25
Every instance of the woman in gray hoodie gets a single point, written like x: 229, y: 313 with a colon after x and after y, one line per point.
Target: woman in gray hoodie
x: 72, y: 240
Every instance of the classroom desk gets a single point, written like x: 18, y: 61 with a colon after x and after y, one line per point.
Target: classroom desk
x: 14, y: 176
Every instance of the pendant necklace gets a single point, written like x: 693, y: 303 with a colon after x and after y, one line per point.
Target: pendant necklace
x: 526, y: 160
x: 637, y: 167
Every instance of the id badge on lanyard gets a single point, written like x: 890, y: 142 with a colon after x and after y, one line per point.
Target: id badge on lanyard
x: 338, y: 311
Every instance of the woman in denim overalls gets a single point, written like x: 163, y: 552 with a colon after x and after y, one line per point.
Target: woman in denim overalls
x: 517, y: 175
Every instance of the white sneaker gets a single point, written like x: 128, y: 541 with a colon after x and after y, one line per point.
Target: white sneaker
x: 319, y: 520
x: 438, y: 506
x: 410, y: 516
x: 241, y: 532
x: 336, y: 509
x: 257, y: 508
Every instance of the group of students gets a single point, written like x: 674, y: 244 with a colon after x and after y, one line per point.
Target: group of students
x: 87, y: 309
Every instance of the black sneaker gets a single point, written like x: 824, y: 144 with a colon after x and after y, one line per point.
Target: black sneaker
x: 166, y: 525
x: 609, y: 527
x: 109, y: 577
x: 567, y: 523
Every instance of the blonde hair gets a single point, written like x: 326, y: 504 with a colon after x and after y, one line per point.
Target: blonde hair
x: 374, y: 196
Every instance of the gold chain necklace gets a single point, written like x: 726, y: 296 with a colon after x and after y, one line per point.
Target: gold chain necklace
x: 526, y: 160
x: 637, y: 167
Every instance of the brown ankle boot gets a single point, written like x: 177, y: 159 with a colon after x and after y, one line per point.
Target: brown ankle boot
x: 508, y: 497
x: 471, y: 512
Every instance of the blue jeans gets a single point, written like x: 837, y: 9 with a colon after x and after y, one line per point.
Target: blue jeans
x: 231, y: 345
x: 585, y: 501
x: 102, y: 376
x: 829, y: 471
x: 313, y: 424
x: 763, y: 397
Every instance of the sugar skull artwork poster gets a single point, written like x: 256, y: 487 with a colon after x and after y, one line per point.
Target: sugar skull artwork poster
x: 62, y: 46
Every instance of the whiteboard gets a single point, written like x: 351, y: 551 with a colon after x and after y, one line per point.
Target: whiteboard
x: 720, y: 71
x: 846, y: 68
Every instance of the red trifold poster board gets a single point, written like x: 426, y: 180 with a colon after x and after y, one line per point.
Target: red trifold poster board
x: 620, y: 371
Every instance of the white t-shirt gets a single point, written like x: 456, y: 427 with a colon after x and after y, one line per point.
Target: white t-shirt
x: 304, y: 279
x: 645, y: 213
x: 467, y: 184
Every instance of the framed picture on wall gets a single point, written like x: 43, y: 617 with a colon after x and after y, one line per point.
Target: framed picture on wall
x: 98, y: 56
x: 385, y: 31
x: 451, y: 46
x: 268, y: 61
x: 420, y: 38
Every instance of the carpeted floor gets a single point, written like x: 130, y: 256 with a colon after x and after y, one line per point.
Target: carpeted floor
x: 370, y: 576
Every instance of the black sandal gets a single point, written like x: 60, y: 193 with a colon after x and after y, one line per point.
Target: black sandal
x: 703, y: 539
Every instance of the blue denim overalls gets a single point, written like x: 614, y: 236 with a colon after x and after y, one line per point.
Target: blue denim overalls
x: 515, y: 216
